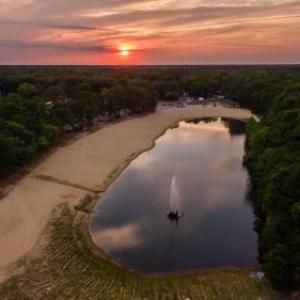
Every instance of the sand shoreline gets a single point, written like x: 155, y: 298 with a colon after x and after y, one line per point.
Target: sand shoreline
x: 90, y: 163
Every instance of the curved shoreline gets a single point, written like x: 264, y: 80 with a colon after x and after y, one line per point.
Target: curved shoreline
x: 84, y: 223
x: 93, y: 162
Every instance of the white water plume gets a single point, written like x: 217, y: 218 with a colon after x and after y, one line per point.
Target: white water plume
x: 175, y: 199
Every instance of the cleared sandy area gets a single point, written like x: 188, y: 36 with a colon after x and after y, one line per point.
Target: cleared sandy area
x: 84, y: 165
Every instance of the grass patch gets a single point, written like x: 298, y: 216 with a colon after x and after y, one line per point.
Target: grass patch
x: 87, y: 203
x: 67, y: 268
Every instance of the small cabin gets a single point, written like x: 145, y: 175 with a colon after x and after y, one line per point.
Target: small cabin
x: 256, y: 275
x: 49, y: 104
x: 185, y: 98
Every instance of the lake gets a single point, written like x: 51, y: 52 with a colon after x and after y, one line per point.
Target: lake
x: 197, y: 169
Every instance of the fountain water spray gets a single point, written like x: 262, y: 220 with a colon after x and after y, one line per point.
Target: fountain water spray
x: 174, y: 213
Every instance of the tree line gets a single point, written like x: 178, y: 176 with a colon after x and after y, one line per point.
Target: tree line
x: 273, y: 161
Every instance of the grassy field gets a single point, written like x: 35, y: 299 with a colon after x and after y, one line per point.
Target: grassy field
x: 67, y: 268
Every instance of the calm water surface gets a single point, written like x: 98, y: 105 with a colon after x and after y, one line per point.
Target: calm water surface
x: 203, y: 159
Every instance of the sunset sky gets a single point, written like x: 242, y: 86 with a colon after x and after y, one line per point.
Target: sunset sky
x: 149, y: 32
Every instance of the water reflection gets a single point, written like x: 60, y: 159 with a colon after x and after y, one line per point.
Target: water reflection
x: 210, y: 187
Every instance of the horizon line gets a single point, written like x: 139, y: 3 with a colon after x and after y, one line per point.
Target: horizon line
x: 148, y: 65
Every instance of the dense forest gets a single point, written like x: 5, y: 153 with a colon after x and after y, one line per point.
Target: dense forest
x: 273, y: 161
x: 39, y: 104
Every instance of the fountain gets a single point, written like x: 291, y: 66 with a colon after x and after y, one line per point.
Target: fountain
x: 174, y: 213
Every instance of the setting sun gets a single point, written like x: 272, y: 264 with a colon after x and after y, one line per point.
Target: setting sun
x: 125, y: 49
x: 124, y: 52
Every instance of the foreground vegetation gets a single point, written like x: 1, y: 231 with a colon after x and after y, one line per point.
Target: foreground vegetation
x: 68, y: 269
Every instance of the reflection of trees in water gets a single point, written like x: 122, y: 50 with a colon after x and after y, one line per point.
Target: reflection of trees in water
x: 235, y: 127
x: 202, y: 120
x: 260, y: 218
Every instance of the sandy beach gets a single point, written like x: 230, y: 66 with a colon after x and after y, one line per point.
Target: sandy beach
x: 85, y: 165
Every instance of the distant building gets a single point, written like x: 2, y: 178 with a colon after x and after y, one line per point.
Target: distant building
x: 49, y: 104
x: 124, y: 112
x: 256, y: 275
x: 185, y: 98
x: 219, y: 97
